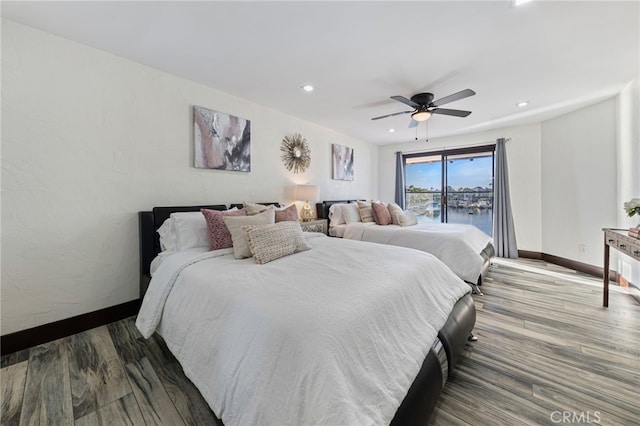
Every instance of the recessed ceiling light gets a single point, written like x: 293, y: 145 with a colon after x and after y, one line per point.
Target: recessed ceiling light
x: 307, y: 88
x: 520, y: 2
x: 392, y: 130
x: 523, y: 104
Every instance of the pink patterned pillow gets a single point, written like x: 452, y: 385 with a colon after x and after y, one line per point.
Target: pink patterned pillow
x: 219, y: 235
x: 288, y: 214
x: 381, y: 213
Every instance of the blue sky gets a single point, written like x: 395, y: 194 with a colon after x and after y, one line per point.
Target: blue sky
x: 462, y: 173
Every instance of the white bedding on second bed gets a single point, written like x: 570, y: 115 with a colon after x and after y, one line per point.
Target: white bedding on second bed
x: 337, y: 230
x: 332, y: 335
x: 458, y: 246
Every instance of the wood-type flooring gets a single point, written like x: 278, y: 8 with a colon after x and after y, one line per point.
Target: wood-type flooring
x: 548, y: 353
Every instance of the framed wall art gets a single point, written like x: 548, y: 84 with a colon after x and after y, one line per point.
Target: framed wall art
x: 342, y: 160
x: 221, y: 141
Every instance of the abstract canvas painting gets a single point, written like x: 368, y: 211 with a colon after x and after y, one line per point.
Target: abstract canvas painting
x: 221, y: 141
x: 342, y: 160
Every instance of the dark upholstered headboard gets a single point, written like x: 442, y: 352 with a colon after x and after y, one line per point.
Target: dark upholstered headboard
x: 148, y: 224
x: 323, y: 207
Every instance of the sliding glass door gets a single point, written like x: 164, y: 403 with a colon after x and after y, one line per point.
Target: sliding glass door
x: 453, y: 186
x: 424, y: 180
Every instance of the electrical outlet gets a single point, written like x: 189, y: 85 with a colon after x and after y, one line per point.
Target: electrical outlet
x: 582, y: 248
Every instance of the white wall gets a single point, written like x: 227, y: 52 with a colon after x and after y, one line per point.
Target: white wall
x: 628, y: 171
x: 88, y: 140
x: 579, y: 182
x: 523, y: 157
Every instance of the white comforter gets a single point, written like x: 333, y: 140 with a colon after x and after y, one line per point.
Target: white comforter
x: 458, y: 246
x: 334, y: 335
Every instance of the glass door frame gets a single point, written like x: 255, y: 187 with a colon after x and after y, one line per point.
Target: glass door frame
x: 444, y: 153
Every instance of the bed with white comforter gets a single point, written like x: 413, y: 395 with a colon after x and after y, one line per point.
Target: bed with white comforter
x: 332, y: 335
x: 458, y: 246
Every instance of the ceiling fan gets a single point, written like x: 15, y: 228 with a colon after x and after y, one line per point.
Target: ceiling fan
x: 424, y: 106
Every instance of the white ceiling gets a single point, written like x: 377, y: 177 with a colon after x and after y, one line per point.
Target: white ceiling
x: 558, y: 55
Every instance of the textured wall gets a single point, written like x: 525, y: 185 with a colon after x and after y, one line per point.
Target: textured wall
x: 579, y: 182
x: 628, y: 177
x: 89, y: 139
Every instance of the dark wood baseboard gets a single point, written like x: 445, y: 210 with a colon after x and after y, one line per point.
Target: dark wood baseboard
x: 573, y: 264
x: 585, y: 268
x: 24, y: 339
x: 530, y: 254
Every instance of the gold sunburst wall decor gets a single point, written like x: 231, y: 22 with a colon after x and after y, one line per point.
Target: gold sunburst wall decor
x: 296, y: 154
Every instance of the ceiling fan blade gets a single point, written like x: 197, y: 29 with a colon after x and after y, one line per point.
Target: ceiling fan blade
x: 454, y: 112
x: 455, y: 97
x: 405, y: 101
x: 413, y: 123
x: 391, y: 115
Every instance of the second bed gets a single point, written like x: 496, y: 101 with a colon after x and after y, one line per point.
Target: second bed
x: 465, y: 249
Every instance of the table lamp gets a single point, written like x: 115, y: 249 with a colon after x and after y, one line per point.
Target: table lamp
x: 306, y: 193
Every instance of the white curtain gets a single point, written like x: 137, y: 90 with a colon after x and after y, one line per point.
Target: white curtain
x: 504, y: 236
x: 400, y: 195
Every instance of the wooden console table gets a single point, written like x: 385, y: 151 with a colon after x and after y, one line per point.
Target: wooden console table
x: 621, y: 241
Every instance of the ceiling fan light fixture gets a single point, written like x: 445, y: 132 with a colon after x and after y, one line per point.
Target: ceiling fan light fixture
x: 421, y: 115
x: 421, y: 102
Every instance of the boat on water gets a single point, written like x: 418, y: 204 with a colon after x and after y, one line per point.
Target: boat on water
x: 431, y: 209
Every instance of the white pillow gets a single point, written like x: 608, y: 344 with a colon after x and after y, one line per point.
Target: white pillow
x: 394, y: 210
x: 235, y: 223
x: 351, y: 213
x: 408, y: 218
x: 335, y: 214
x: 190, y: 230
x: 167, y: 236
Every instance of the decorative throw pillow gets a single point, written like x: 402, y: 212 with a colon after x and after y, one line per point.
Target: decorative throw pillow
x: 271, y: 242
x: 407, y: 218
x: 366, y: 214
x: 235, y: 224
x: 254, y: 208
x: 219, y: 235
x: 394, y: 210
x: 351, y: 213
x: 288, y: 214
x: 381, y: 213
x: 373, y: 212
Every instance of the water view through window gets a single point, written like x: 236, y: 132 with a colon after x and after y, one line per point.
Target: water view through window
x: 451, y: 187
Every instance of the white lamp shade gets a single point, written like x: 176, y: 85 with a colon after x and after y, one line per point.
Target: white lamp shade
x: 307, y: 192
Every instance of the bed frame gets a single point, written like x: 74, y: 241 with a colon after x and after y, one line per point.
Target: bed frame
x: 423, y: 394
x: 487, y: 253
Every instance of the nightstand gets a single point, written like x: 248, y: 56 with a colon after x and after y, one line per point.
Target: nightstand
x: 316, y: 225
